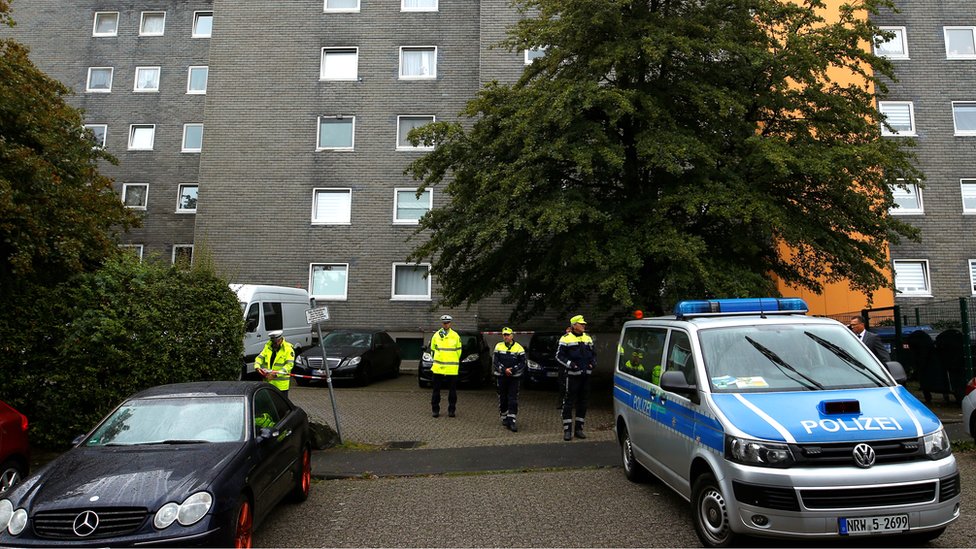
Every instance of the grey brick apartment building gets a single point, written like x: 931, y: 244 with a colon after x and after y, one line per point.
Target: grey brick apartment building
x: 287, y: 120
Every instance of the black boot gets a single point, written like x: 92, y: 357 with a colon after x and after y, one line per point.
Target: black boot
x: 567, y: 433
x: 512, y: 426
x: 579, y: 430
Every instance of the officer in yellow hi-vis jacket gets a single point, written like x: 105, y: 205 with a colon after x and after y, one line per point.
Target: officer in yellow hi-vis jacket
x: 445, y: 347
x: 276, y: 361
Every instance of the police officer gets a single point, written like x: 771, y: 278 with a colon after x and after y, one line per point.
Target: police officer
x: 445, y: 346
x: 578, y: 358
x: 276, y: 361
x: 508, y: 365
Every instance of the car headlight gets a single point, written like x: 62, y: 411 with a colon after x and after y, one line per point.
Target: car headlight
x: 937, y: 445
x: 471, y: 358
x: 352, y: 361
x: 427, y: 357
x: 189, y: 512
x: 6, y: 511
x: 166, y: 515
x: 533, y: 365
x: 18, y: 521
x: 754, y: 452
x: 303, y: 361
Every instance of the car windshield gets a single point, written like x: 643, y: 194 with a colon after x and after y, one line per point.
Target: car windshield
x: 172, y: 420
x: 358, y: 340
x: 544, y: 344
x: 787, y: 357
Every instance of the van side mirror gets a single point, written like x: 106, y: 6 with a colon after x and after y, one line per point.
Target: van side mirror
x: 897, y: 371
x: 674, y: 381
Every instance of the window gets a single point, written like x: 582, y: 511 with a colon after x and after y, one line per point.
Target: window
x: 533, y: 54
x: 183, y: 255
x: 641, y: 353
x: 900, y: 116
x: 99, y: 80
x: 959, y: 42
x: 135, y: 195
x: 336, y: 133
x: 968, y: 195
x: 134, y: 249
x: 100, y: 131
x: 147, y: 79
x: 196, y: 79
x: 972, y: 275
x: 418, y: 5
x: 408, y: 209
x: 908, y: 199
x: 106, y: 23
x: 202, y: 24
x: 679, y: 357
x: 896, y: 47
x: 331, y: 206
x: 192, y: 137
x: 153, y: 23
x: 328, y: 281
x: 342, y: 5
x: 407, y: 123
x: 272, y: 315
x: 339, y: 64
x: 141, y: 137
x: 418, y: 62
x: 411, y: 281
x: 187, y: 200
x: 964, y: 117
x: 912, y: 277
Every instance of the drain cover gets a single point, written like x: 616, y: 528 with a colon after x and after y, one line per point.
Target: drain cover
x: 403, y: 444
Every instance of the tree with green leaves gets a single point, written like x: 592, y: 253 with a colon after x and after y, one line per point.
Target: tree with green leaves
x: 668, y: 149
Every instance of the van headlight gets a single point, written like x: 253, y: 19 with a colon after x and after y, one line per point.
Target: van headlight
x: 754, y: 452
x: 937, y: 445
x: 533, y: 365
x: 471, y: 358
x: 427, y: 357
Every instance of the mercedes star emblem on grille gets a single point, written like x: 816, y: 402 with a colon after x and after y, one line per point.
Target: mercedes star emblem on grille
x: 864, y: 455
x: 85, y: 523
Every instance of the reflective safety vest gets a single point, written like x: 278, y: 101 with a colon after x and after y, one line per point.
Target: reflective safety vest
x: 445, y: 348
x: 576, y: 354
x: 284, y: 361
x: 509, y: 357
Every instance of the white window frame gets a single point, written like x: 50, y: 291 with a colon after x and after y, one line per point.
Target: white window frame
x: 95, y: 24
x: 327, y: 9
x: 104, y: 134
x: 901, y: 36
x: 963, y: 183
x: 403, y: 7
x: 315, y: 206
x: 181, y: 246
x: 945, y: 36
x: 911, y: 115
x: 142, y: 22
x: 189, y: 79
x: 396, y: 204
x: 183, y: 147
x: 955, y: 125
x: 111, y: 78
x: 432, y: 76
x: 338, y: 50
x: 972, y: 276
x: 529, y: 60
x: 159, y: 76
x: 196, y: 19
x: 132, y: 129
x: 137, y: 247
x: 925, y: 292
x: 325, y: 297
x: 912, y: 188
x: 318, y: 134
x: 409, y: 297
x: 179, y: 198
x: 125, y: 192
x: 409, y: 147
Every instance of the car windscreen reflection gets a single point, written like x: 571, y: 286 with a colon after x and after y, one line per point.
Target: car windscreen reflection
x: 172, y: 421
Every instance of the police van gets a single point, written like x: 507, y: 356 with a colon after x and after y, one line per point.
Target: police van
x: 773, y: 423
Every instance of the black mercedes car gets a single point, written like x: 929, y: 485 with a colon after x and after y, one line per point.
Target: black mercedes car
x: 191, y: 464
x: 362, y: 355
x: 475, y: 366
x: 541, y: 354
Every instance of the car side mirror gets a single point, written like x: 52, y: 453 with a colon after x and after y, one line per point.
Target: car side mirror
x: 77, y: 440
x: 267, y: 433
x: 674, y: 381
x: 897, y: 371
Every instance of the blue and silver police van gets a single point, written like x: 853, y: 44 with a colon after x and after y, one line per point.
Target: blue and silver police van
x: 773, y: 423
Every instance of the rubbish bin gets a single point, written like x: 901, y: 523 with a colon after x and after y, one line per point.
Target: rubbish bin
x: 949, y: 350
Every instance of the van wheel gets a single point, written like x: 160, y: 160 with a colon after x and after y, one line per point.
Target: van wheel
x: 710, y: 513
x: 635, y: 471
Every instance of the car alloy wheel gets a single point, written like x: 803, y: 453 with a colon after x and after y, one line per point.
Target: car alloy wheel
x: 244, y: 528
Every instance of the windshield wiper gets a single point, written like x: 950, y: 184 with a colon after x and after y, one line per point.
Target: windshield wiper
x: 775, y: 359
x: 846, y: 357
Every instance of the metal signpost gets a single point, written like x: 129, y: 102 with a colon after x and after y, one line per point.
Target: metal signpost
x: 316, y: 316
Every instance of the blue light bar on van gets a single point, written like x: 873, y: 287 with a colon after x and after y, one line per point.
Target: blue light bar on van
x: 741, y: 306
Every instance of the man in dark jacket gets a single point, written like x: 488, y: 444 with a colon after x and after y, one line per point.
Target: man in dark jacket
x: 871, y: 341
x: 508, y: 365
x: 578, y: 358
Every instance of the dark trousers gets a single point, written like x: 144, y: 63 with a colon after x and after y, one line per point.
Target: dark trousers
x: 575, y: 391
x: 435, y: 398
x: 508, y: 390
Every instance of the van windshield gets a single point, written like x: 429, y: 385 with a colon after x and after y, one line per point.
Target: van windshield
x: 787, y: 357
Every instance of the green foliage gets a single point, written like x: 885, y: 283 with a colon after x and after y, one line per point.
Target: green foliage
x: 79, y: 349
x: 664, y: 150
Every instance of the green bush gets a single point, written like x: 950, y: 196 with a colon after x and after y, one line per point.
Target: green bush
x: 81, y: 348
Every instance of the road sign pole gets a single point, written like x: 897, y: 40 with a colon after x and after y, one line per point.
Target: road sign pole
x: 328, y: 372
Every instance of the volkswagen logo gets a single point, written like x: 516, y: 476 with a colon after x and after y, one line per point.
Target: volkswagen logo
x: 864, y: 456
x: 85, y: 524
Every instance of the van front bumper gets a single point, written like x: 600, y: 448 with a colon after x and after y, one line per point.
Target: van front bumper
x: 811, y: 502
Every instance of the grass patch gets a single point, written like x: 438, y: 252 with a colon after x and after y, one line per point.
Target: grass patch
x: 357, y: 446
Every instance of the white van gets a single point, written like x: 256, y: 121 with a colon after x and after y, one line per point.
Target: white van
x: 773, y: 423
x: 269, y: 308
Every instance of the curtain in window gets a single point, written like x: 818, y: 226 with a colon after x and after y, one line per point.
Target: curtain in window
x: 411, y: 208
x: 153, y: 23
x: 420, y: 4
x: 148, y: 79
x: 332, y: 206
x: 142, y: 138
x: 965, y: 115
x: 418, y: 62
x: 329, y: 280
x: 100, y: 79
x: 198, y: 78
x: 135, y: 195
x: 408, y: 123
x: 106, y: 24
x: 409, y: 281
x: 960, y: 42
x: 340, y: 64
x: 341, y: 4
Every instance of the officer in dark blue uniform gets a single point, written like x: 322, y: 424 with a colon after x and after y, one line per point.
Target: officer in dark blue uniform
x: 508, y: 365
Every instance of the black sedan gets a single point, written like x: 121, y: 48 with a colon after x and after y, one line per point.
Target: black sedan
x: 541, y: 354
x: 192, y: 464
x: 362, y: 355
x: 475, y: 361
